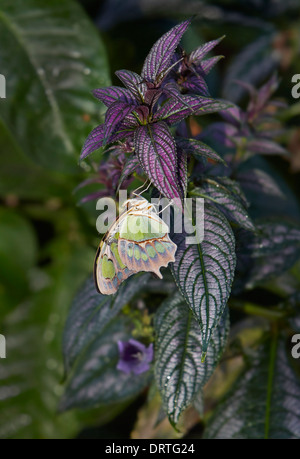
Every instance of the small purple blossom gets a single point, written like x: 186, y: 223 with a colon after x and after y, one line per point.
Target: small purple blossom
x: 135, y: 357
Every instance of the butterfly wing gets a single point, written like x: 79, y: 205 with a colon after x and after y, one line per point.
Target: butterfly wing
x: 144, y: 243
x: 109, y: 270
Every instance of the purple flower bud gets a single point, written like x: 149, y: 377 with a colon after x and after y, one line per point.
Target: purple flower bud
x: 135, y: 357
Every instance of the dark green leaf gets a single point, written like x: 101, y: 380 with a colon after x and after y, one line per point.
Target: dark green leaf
x: 262, y: 256
x: 265, y: 400
x: 18, y: 250
x: 57, y: 59
x: 91, y: 312
x: 96, y: 380
x: 30, y: 376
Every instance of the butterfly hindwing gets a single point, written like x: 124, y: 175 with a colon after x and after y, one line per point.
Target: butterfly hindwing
x: 144, y: 243
x: 147, y: 256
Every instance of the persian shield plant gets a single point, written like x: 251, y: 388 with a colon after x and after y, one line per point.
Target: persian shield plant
x: 117, y: 345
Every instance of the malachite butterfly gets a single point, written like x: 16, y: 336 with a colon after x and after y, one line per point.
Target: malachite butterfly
x: 137, y: 241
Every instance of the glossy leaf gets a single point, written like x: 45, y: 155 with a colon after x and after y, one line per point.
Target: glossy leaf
x: 156, y: 150
x: 204, y: 270
x: 61, y: 58
x: 265, y: 400
x: 18, y: 252
x: 31, y: 375
x: 179, y: 371
x: 227, y: 201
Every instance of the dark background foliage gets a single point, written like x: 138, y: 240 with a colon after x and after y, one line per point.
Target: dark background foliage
x: 54, y: 53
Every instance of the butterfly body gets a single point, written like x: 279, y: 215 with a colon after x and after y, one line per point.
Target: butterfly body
x: 137, y: 241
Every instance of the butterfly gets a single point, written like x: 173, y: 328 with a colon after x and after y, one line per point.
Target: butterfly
x: 137, y: 241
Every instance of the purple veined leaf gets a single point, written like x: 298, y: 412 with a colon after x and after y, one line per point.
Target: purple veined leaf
x: 134, y: 82
x: 267, y: 128
x: 130, y: 166
x: 114, y: 115
x: 182, y: 171
x: 156, y: 150
x: 125, y: 129
x: 152, y: 96
x: 199, y: 53
x: 179, y: 372
x: 121, y: 134
x: 93, y: 196
x: 228, y: 202
x: 234, y: 187
x: 93, y: 141
x: 129, y: 122
x: 182, y: 130
x: 265, y: 147
x: 204, y: 270
x: 114, y: 94
x: 233, y: 115
x: 262, y: 95
x: 142, y: 112
x: 258, y: 181
x: 161, y: 53
x: 263, y: 256
x: 196, y: 84
x: 198, y: 148
x: 223, y: 133
x: 171, y: 89
x: 208, y: 64
x: 252, y: 65
x: 174, y: 111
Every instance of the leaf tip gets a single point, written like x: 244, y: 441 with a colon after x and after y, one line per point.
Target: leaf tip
x: 203, y: 356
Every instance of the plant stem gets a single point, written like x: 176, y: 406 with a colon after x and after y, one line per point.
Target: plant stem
x: 254, y: 309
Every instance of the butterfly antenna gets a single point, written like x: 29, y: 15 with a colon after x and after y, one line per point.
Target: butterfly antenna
x: 168, y: 205
x: 143, y: 191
